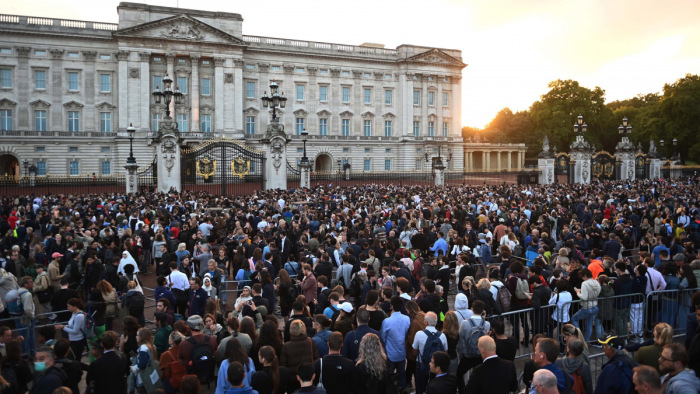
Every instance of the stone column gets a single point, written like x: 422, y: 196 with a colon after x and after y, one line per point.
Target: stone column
x: 219, y: 94
x: 305, y: 180
x: 228, y: 112
x: 57, y: 89
x: 509, y: 161
x: 144, y: 122
x: 498, y: 160
x: 439, y: 173
x: 483, y: 161
x: 22, y: 80
x: 123, y: 96
x: 456, y: 106
x: 655, y: 168
x: 546, y: 165
x: 406, y: 84
x: 90, y: 123
x: 275, y: 147
x: 194, y: 93
x: 168, y: 156
x: 132, y: 179
x: 238, y: 92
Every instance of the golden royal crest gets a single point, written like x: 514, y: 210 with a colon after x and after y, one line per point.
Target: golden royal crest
x: 206, y: 168
x: 240, y: 167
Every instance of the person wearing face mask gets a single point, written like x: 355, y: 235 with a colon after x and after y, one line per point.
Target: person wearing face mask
x: 48, y: 376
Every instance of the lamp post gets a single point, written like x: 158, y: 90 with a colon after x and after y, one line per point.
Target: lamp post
x: 676, y: 157
x: 663, y: 151
x: 274, y: 100
x: 624, y: 153
x: 167, y: 94
x: 580, y: 166
x: 131, y: 166
x: 25, y: 162
x: 305, y: 165
x: 131, y: 133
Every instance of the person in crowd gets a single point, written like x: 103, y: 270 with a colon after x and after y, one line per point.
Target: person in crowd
x: 321, y: 325
x: 393, y: 334
x: 270, y: 378
x: 646, y: 380
x: 351, y: 342
x: 75, y: 328
x: 545, y: 382
x: 337, y: 373
x: 429, y: 334
x: 48, y: 376
x: 72, y: 368
x: 205, y: 372
x: 494, y: 374
x: 15, y: 370
x: 576, y: 365
x: 546, y: 353
x: 616, y: 374
x: 649, y: 355
x: 443, y: 382
x: 300, y: 349
x: 172, y: 371
x: 371, y: 366
x: 678, y: 378
x: 234, y: 354
x: 588, y: 294
x: 145, y: 354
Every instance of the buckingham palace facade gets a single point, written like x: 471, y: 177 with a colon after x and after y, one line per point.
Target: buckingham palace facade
x: 70, y: 89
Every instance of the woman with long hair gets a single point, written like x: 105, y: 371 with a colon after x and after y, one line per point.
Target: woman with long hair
x: 283, y: 286
x: 248, y: 327
x: 450, y: 328
x: 269, y: 336
x: 267, y: 379
x: 211, y: 327
x: 371, y: 365
x: 171, y: 369
x: 111, y: 301
x: 74, y: 328
x: 268, y: 291
x: 649, y: 355
x: 13, y: 364
x: 128, y: 343
x: 146, y: 352
x: 417, y: 324
x: 222, y: 260
x: 234, y: 352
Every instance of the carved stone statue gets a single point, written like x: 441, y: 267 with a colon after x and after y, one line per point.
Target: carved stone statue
x: 545, y: 144
x: 652, y: 148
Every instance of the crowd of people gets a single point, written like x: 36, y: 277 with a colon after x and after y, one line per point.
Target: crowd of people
x: 349, y: 290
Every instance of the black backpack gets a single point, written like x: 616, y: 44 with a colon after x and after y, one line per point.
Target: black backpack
x: 201, y: 361
x: 433, y: 344
x: 136, y: 303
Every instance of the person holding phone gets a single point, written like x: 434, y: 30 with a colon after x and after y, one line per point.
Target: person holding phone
x: 562, y: 299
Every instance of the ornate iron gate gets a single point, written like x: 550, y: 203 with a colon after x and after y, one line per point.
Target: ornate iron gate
x: 603, y: 166
x: 222, y: 167
x: 640, y: 166
x: 148, y: 177
x: 561, y: 164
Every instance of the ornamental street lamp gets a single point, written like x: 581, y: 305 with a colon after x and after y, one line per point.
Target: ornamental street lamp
x: 25, y: 162
x: 663, y: 151
x: 131, y: 133
x: 274, y: 100
x: 304, y: 136
x: 676, y: 156
x: 624, y: 127
x: 167, y: 94
x: 579, y: 126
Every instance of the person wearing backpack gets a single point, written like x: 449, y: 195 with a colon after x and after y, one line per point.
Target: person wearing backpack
x: 197, y: 352
x: 575, y: 365
x: 518, y: 287
x: 20, y: 305
x: 470, y: 331
x: 425, y: 343
x: 75, y: 328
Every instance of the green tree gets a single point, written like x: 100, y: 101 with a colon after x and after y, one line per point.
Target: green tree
x: 470, y: 132
x: 679, y: 109
x: 509, y: 127
x: 555, y: 114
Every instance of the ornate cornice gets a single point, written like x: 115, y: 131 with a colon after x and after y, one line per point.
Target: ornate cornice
x: 335, y: 72
x: 39, y: 104
x: 378, y: 75
x: 288, y: 68
x: 356, y: 73
x: 263, y: 67
x: 312, y: 70
x: 56, y: 53
x: 122, y: 55
x: 73, y: 105
x: 194, y: 60
x: 219, y: 61
x: 23, y: 51
x: 238, y: 63
x: 89, y: 56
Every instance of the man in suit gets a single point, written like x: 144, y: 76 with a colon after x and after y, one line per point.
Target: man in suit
x: 285, y: 246
x: 338, y: 374
x: 108, y: 373
x: 494, y: 375
x: 443, y: 382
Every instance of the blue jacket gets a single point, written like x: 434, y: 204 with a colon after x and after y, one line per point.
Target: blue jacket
x: 163, y: 292
x: 351, y: 344
x: 616, y: 375
x: 440, y: 244
x: 321, y: 339
x: 198, y: 300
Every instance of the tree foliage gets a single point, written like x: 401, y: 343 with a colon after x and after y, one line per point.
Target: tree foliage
x: 673, y: 114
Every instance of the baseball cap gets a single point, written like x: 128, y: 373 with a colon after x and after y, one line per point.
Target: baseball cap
x: 613, y: 341
x: 56, y: 255
x: 346, y: 306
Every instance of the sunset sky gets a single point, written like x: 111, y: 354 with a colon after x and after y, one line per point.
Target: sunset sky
x: 513, y: 47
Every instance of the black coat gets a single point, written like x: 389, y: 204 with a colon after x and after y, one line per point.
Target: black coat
x: 443, y: 384
x: 339, y: 374
x: 493, y: 376
x: 108, y: 373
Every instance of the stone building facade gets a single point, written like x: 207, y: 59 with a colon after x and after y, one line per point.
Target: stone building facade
x: 69, y: 90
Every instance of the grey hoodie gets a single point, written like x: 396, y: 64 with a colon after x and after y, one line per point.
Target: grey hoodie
x: 571, y: 365
x: 462, y: 307
x: 684, y: 382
